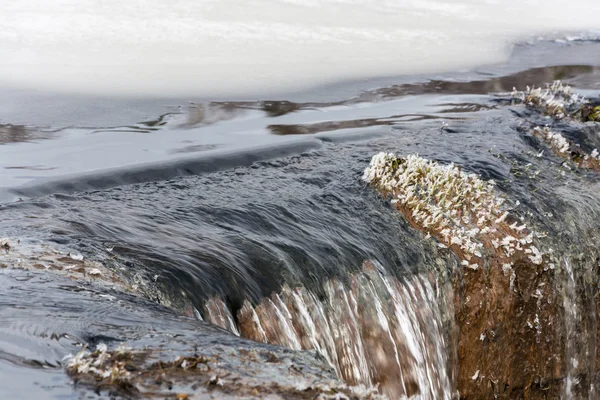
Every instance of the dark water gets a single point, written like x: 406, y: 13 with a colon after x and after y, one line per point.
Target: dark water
x: 241, y: 233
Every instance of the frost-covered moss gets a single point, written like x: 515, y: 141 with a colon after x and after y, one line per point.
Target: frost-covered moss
x: 556, y: 99
x: 101, y: 363
x: 461, y: 210
x: 566, y: 149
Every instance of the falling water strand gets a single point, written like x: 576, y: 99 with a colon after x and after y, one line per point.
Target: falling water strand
x: 571, y: 322
x: 373, y: 330
x: 218, y: 313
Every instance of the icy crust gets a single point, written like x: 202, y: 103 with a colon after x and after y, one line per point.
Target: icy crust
x: 460, y: 210
x: 566, y: 149
x: 558, y: 101
x: 208, y: 373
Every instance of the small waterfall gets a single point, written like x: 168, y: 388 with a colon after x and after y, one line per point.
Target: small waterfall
x: 374, y: 330
x: 580, y: 346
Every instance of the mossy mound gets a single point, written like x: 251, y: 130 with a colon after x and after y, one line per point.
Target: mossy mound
x: 556, y: 100
x: 460, y: 210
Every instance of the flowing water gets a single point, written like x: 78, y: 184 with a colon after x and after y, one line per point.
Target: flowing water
x: 247, y: 220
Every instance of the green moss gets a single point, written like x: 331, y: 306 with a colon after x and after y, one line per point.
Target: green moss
x: 594, y: 114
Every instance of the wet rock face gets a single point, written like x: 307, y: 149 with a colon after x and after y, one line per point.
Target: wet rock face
x: 536, y: 340
x: 508, y: 345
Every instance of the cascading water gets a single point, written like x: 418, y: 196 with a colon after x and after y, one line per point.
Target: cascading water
x: 374, y: 330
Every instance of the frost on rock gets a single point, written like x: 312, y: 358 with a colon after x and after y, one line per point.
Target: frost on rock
x: 100, y: 363
x: 459, y: 209
x: 566, y: 149
x: 556, y: 100
x: 557, y: 141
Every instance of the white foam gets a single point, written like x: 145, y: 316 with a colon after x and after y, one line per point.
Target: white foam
x: 235, y: 47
